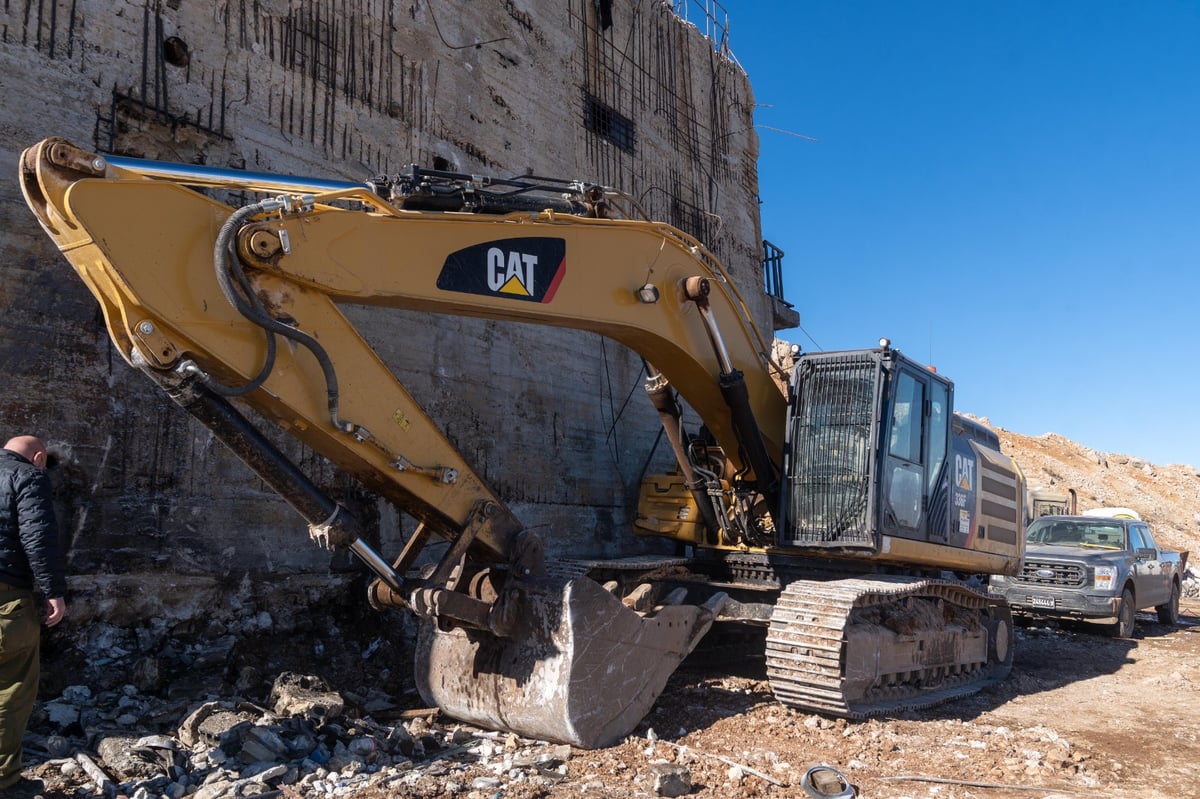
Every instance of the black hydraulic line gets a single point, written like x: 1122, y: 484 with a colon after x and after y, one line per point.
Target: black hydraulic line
x: 745, y: 427
x: 247, y: 442
x: 457, y: 198
x: 251, y: 307
x: 240, y: 302
x: 737, y: 397
x: 669, y: 412
x: 421, y: 189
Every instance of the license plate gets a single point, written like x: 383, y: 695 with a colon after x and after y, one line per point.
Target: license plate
x: 1041, y: 601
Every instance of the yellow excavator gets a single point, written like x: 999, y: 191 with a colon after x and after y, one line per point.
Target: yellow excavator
x: 844, y: 509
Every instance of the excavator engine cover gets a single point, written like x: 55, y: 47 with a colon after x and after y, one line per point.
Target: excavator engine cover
x: 583, y: 669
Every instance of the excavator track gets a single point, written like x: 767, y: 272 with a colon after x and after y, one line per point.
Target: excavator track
x: 870, y: 646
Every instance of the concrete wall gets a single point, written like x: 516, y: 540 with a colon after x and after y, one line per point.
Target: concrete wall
x: 348, y: 89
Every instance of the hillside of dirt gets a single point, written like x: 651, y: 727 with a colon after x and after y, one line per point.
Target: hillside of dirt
x: 1166, y: 496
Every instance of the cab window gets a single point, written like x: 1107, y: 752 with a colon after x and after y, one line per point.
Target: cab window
x: 904, y: 480
x: 1147, y: 537
x: 939, y: 403
x: 907, y: 419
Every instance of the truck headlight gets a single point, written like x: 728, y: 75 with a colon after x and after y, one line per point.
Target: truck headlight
x: 1106, y: 576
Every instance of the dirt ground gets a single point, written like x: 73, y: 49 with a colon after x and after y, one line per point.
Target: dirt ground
x: 1082, y: 715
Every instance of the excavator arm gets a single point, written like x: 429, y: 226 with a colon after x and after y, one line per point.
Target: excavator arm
x: 145, y: 247
x: 216, y: 303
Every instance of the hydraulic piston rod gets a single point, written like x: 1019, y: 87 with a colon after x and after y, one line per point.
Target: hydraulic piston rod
x: 733, y: 390
x: 193, y: 175
x: 328, y: 521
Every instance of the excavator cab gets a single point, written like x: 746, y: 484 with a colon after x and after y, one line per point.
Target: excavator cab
x: 875, y: 454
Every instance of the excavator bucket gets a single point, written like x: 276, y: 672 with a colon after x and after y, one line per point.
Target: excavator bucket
x: 583, y: 670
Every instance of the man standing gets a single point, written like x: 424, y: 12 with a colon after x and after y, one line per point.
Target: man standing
x: 29, y: 555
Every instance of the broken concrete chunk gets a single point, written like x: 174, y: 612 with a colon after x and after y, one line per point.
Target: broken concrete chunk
x: 61, y: 714
x: 76, y: 694
x: 122, y: 754
x: 671, y: 779
x: 261, y: 745
x: 215, y: 724
x: 305, y: 695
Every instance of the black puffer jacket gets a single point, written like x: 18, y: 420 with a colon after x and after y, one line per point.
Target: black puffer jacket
x: 29, y: 547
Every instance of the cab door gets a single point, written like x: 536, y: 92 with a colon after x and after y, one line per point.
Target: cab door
x: 1151, y: 577
x: 916, y: 442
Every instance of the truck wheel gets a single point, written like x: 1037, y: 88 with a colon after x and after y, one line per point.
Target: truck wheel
x: 1123, y: 628
x: 1168, y: 612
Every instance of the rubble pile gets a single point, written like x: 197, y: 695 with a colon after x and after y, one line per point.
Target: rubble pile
x: 310, y: 742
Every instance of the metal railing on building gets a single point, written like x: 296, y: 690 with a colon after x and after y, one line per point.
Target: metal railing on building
x: 709, y: 17
x: 773, y: 270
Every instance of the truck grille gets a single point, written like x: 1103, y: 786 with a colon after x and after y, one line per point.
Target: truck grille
x: 1066, y: 575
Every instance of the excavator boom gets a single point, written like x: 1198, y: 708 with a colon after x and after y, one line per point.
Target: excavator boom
x: 145, y: 248
x: 200, y: 296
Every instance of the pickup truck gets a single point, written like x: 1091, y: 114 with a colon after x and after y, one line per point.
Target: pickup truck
x: 1096, y: 568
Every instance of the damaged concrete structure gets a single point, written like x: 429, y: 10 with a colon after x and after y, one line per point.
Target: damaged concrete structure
x: 167, y: 533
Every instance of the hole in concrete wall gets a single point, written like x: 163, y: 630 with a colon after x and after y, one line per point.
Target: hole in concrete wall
x: 442, y: 164
x: 175, y: 52
x: 609, y: 123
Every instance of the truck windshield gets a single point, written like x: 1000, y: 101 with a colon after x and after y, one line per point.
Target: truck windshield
x: 1058, y: 532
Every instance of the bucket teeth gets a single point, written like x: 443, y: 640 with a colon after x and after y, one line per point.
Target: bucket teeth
x: 583, y: 670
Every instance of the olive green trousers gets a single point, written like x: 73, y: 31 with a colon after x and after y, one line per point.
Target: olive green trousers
x: 20, y: 638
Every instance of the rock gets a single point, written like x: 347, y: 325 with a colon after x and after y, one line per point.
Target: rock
x: 61, y: 714
x: 215, y: 724
x: 147, y: 675
x: 400, y: 741
x: 261, y: 745
x: 58, y: 746
x: 365, y: 748
x: 125, y: 756
x: 269, y: 773
x: 305, y: 695
x: 76, y: 694
x: 671, y: 779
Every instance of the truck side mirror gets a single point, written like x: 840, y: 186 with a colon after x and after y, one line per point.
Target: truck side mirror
x: 1146, y: 553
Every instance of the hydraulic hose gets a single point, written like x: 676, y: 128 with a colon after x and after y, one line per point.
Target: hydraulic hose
x: 250, y: 306
x: 251, y: 311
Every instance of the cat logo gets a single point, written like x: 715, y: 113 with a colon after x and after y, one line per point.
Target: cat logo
x: 964, y: 472
x: 512, y: 272
x: 528, y: 268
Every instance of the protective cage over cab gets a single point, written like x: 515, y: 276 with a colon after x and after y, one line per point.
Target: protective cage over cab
x: 875, y: 456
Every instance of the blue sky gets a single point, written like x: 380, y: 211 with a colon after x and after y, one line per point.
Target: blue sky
x: 1007, y: 190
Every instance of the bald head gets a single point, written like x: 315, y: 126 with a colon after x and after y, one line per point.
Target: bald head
x: 30, y: 448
